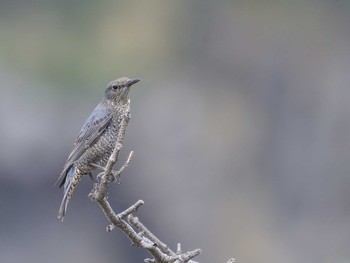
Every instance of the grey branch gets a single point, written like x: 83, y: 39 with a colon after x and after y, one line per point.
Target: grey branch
x: 138, y: 234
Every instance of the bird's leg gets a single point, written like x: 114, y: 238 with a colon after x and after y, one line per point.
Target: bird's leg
x: 115, y: 176
x: 97, y: 166
x: 92, y: 178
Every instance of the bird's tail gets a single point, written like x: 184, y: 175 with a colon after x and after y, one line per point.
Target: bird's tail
x: 71, y: 182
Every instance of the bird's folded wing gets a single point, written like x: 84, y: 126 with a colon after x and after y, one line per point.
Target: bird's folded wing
x: 92, y: 129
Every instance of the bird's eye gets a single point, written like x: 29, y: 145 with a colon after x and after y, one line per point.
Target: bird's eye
x: 114, y: 86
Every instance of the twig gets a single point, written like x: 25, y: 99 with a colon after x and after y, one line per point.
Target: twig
x: 141, y: 228
x: 125, y: 213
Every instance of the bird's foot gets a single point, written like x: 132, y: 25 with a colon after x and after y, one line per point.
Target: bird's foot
x: 116, y: 177
x: 113, y: 177
x: 91, y: 178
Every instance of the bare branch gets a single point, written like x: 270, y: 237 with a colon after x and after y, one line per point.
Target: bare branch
x: 143, y: 238
x: 140, y: 227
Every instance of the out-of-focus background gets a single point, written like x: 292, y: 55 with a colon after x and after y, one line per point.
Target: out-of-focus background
x: 240, y: 127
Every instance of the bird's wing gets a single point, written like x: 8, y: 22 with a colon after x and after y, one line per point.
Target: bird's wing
x: 92, y: 129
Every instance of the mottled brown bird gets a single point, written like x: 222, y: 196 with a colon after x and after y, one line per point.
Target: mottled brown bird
x: 96, y: 139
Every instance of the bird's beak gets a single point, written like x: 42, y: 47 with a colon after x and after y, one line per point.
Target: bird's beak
x: 132, y: 82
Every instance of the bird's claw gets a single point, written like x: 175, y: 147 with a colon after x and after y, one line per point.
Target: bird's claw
x: 115, y: 177
x: 98, y: 177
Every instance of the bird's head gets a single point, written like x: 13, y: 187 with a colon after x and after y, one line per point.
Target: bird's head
x: 117, y: 90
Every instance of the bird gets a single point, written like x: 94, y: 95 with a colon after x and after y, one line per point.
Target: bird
x: 96, y: 140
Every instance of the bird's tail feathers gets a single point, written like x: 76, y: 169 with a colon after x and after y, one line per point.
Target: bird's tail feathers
x: 63, y: 175
x: 63, y: 207
x: 72, y: 179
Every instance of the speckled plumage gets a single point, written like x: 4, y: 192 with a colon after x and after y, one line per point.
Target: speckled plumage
x: 96, y: 139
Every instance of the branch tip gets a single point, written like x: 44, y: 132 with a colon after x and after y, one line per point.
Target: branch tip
x: 178, y: 249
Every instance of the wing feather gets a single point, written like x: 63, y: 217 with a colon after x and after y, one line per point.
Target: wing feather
x: 92, y: 129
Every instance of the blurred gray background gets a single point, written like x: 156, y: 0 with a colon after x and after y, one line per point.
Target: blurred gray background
x: 240, y: 127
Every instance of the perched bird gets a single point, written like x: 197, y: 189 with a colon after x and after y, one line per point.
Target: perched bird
x: 96, y: 139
